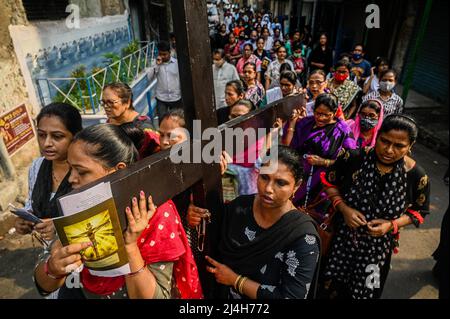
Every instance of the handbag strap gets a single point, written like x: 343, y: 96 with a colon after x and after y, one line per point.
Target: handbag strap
x: 326, y: 223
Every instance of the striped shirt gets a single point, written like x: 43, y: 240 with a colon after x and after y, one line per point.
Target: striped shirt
x: 393, y: 105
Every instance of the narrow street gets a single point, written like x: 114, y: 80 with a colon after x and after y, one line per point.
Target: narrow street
x: 102, y: 90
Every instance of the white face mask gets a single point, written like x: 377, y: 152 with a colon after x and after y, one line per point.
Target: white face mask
x: 386, y: 86
x: 219, y: 64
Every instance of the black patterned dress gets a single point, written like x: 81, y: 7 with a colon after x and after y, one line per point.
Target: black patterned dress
x: 358, y: 263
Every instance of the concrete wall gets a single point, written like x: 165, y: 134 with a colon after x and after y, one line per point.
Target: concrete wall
x: 12, y: 88
x: 15, y: 82
x: 405, y: 34
x: 12, y: 93
x: 49, y: 49
x: 99, y: 8
x: 89, y: 8
x: 112, y: 7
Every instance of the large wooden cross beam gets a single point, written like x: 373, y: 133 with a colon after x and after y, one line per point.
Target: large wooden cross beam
x: 158, y: 175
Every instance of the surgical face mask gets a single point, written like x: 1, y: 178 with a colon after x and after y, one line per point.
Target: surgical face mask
x: 357, y: 56
x: 368, y: 124
x: 340, y: 77
x: 218, y: 64
x: 386, y: 86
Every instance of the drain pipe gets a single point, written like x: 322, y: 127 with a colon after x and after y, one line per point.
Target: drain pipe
x: 5, y: 161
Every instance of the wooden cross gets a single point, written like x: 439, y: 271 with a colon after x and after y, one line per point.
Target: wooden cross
x: 158, y: 175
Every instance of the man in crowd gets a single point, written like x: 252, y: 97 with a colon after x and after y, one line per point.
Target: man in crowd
x: 223, y: 72
x: 360, y: 67
x: 168, y: 92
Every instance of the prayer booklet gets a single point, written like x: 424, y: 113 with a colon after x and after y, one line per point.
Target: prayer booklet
x: 91, y: 216
x: 310, y: 108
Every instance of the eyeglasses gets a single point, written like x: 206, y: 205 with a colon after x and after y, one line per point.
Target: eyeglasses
x: 108, y: 103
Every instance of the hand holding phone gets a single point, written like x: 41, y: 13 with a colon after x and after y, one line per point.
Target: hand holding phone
x: 25, y: 214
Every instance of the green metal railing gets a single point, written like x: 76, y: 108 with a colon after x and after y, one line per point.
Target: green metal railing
x: 85, y: 93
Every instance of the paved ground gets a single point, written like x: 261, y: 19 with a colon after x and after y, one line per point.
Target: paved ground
x: 432, y: 119
x: 410, y: 276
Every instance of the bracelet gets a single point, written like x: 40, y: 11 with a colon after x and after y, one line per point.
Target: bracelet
x: 291, y: 129
x: 395, y: 225
x: 337, y: 202
x: 334, y: 197
x: 49, y: 274
x: 236, y: 282
x: 132, y: 274
x: 241, y: 285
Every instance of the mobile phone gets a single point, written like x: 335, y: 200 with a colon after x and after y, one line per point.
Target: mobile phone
x: 25, y: 214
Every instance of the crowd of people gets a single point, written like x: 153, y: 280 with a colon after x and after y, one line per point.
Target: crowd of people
x: 344, y: 163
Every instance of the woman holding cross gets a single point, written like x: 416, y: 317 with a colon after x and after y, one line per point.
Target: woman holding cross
x: 159, y: 255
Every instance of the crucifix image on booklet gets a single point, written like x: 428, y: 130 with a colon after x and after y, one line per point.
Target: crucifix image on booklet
x: 91, y: 216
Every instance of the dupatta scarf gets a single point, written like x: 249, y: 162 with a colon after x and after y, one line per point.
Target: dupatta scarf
x: 355, y: 126
x: 164, y: 240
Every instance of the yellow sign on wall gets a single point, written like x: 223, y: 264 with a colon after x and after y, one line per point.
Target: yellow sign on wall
x: 16, y: 128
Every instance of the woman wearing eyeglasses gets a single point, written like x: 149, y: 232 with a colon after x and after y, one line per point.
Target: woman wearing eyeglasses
x: 319, y: 139
x: 368, y: 121
x: 117, y: 100
x: 316, y: 85
x: 345, y: 90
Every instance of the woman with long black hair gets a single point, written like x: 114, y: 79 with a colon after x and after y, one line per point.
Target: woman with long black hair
x: 321, y: 57
x: 48, y: 176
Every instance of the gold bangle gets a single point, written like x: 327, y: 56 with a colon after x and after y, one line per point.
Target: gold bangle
x: 291, y: 129
x: 236, y: 282
x: 241, y: 285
